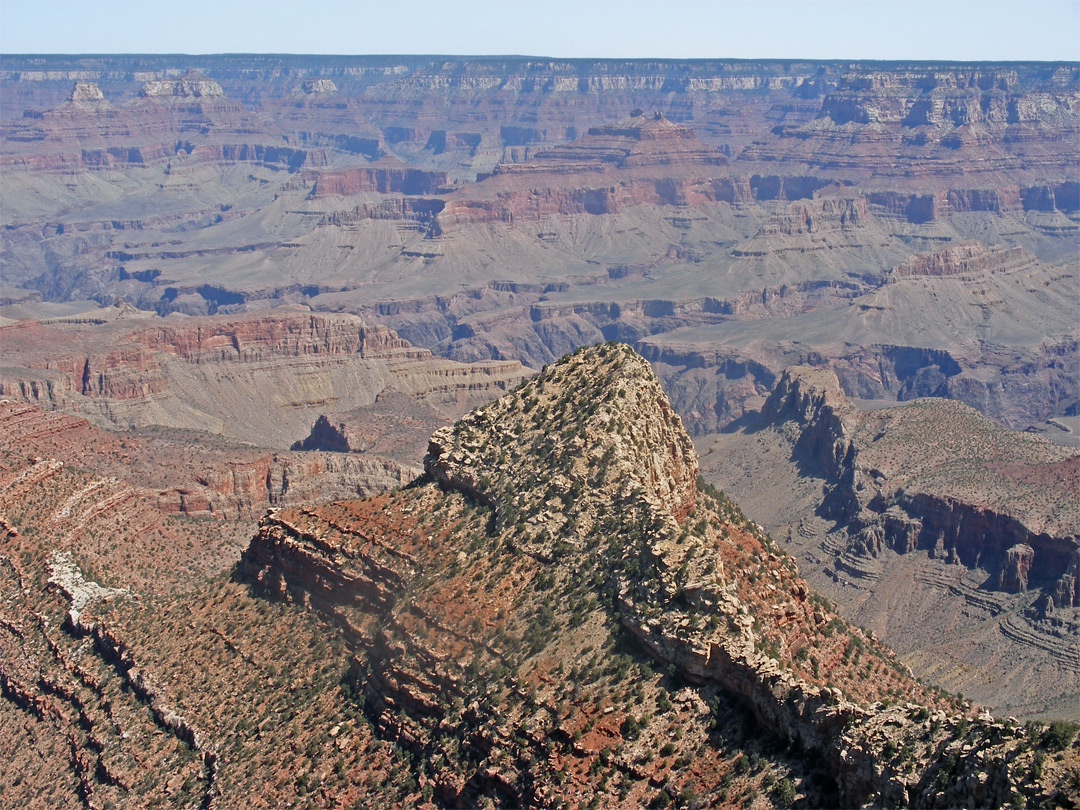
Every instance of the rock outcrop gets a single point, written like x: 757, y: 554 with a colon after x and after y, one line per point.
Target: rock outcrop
x: 199, y: 475
x: 318, y: 87
x: 665, y: 466
x: 936, y: 476
x: 602, y: 633
x: 953, y: 538
x: 389, y: 179
x: 87, y: 93
x: 191, y: 85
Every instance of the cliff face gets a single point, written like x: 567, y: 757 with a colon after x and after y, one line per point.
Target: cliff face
x: 893, y: 339
x: 640, y: 160
x: 187, y: 118
x: 969, y: 258
x: 205, y: 374
x: 530, y: 101
x: 580, y: 504
x: 964, y: 505
x: 255, y: 338
x: 919, y: 117
x: 602, y: 633
x: 197, y: 475
x: 383, y: 180
x: 953, y: 538
x: 244, y: 490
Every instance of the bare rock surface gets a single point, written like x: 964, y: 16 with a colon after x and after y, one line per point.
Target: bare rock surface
x: 66, y: 576
x: 260, y: 378
x: 191, y: 85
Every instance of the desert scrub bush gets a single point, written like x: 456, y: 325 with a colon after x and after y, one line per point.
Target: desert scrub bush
x: 785, y: 792
x: 631, y: 727
x: 1059, y: 735
x: 1037, y: 766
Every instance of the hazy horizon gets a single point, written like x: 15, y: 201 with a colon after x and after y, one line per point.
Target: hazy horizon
x: 818, y: 30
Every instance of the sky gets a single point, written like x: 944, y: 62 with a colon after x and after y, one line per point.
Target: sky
x: 963, y: 30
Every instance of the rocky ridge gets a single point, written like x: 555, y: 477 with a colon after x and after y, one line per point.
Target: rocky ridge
x: 586, y: 508
x: 585, y: 673
x: 91, y: 713
x: 101, y: 709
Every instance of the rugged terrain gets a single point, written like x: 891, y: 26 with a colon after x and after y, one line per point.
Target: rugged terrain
x: 558, y: 614
x: 955, y: 323
x: 271, y: 279
x: 193, y: 473
x: 519, y: 208
x: 263, y: 378
x: 983, y: 519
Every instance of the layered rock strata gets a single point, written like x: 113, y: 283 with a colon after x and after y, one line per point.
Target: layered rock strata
x: 951, y: 537
x: 936, y: 476
x: 894, y: 339
x: 197, y: 475
x: 153, y: 684
x: 208, y: 374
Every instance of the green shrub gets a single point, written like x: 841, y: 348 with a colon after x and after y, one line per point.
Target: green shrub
x: 785, y: 792
x: 1059, y: 735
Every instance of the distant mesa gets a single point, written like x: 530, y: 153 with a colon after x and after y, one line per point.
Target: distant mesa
x: 191, y: 85
x: 86, y: 93
x: 318, y: 87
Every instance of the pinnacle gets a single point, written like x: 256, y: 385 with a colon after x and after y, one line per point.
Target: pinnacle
x: 595, y: 420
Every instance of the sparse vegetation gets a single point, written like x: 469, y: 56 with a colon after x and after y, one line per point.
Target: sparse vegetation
x: 519, y: 605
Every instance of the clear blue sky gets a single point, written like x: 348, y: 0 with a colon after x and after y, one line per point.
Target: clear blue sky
x: 822, y: 29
